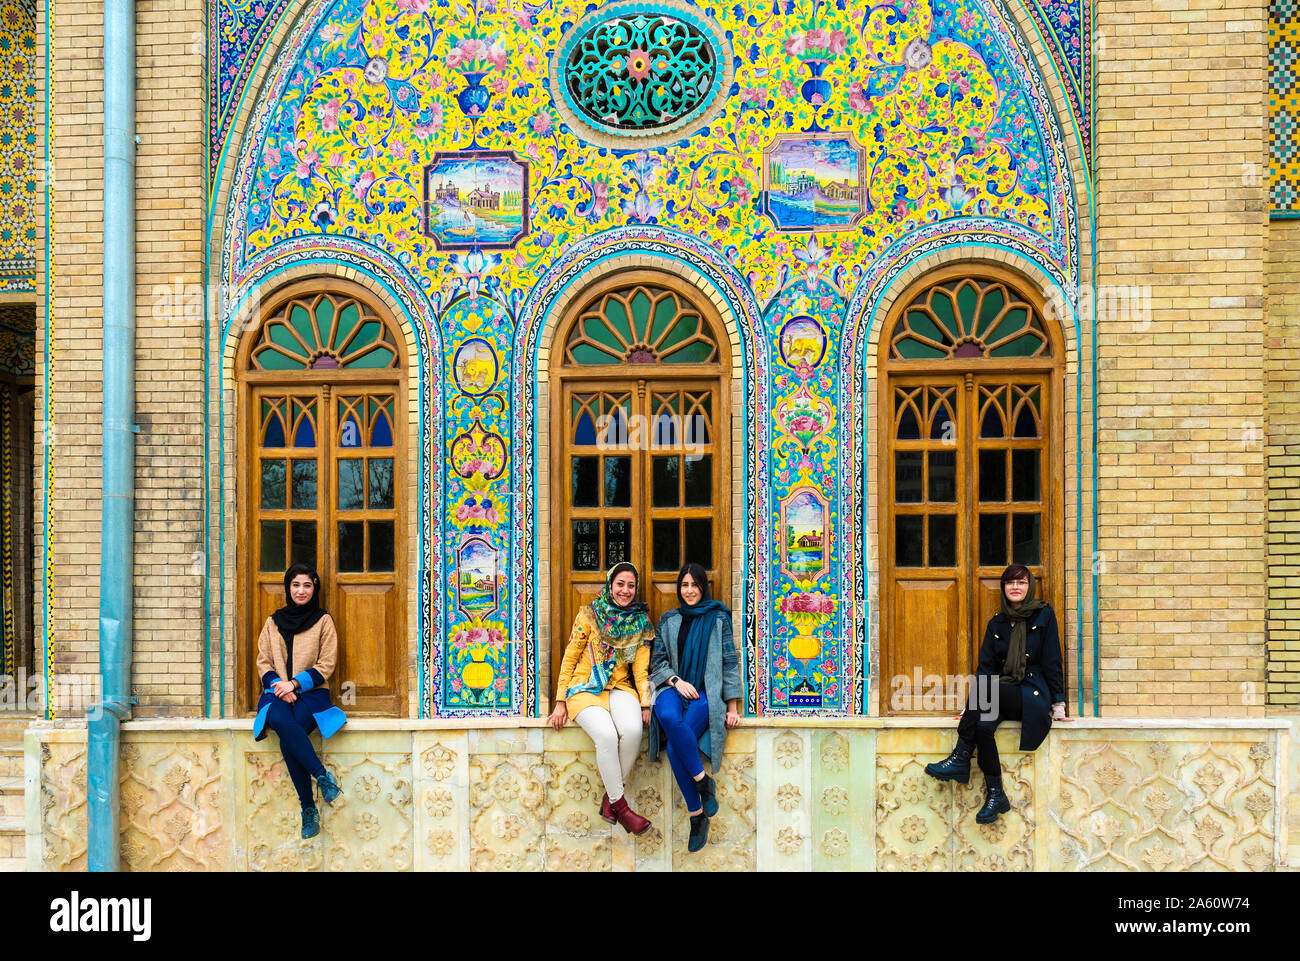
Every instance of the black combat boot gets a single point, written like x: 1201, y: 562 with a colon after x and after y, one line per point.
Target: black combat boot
x: 955, y: 767
x: 995, y: 802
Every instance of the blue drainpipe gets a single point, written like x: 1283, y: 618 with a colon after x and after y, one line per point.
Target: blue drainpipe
x: 118, y: 506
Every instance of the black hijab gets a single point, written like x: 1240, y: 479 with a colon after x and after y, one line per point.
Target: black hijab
x: 295, y: 618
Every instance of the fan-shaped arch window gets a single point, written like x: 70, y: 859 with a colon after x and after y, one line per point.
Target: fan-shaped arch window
x: 641, y: 324
x: 966, y: 319
x: 322, y: 457
x: 325, y: 332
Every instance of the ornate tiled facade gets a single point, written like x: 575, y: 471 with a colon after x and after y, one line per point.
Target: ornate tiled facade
x: 933, y: 124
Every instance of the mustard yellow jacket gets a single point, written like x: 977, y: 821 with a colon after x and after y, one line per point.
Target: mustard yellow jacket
x: 576, y: 669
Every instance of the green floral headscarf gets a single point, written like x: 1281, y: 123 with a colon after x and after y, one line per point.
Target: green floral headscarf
x: 623, y: 629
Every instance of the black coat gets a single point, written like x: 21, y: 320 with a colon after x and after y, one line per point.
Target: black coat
x: 1043, y: 684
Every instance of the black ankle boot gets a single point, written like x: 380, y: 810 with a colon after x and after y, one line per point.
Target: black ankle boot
x: 708, y: 789
x: 699, y: 832
x: 995, y: 802
x: 310, y: 822
x: 955, y: 767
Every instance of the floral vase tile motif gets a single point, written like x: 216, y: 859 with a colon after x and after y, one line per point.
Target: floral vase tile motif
x: 479, y: 671
x: 806, y: 670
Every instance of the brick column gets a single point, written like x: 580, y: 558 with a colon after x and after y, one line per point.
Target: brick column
x: 1181, y: 423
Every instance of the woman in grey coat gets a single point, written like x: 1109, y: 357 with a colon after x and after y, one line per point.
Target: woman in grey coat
x: 693, y: 667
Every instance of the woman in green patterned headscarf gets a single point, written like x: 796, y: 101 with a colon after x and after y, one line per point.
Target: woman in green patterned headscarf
x: 604, y: 684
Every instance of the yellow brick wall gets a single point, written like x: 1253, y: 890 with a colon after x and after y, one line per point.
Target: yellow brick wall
x: 1283, y: 319
x: 167, y: 675
x: 1181, y: 180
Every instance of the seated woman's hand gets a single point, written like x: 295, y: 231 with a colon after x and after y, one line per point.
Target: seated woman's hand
x: 733, y: 718
x: 687, y: 690
x: 1058, y: 711
x: 284, y: 691
x: 645, y: 717
x: 559, y: 716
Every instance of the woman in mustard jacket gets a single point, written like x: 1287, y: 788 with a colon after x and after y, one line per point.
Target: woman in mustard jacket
x: 296, y: 653
x: 604, y: 685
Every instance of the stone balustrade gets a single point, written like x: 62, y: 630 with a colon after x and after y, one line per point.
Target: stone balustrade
x: 824, y: 794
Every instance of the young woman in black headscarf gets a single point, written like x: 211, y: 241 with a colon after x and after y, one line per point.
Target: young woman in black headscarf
x: 1018, y: 677
x: 296, y: 653
x: 695, y: 671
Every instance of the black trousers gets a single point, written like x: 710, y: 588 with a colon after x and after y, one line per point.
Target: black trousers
x: 980, y: 720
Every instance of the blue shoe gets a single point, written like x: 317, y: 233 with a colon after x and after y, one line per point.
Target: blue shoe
x: 329, y: 788
x: 708, y: 789
x: 310, y: 823
x: 699, y: 832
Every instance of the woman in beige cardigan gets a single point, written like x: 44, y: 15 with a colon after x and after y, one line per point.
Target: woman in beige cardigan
x: 296, y: 653
x: 604, y: 684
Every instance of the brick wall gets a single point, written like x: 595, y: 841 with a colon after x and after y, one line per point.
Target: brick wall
x: 169, y: 357
x: 1283, y: 318
x: 1182, y: 486
x: 169, y: 348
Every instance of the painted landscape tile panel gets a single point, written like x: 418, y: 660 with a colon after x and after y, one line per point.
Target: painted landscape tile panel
x: 805, y: 535
x: 476, y: 199
x: 813, y: 182
x: 477, y: 569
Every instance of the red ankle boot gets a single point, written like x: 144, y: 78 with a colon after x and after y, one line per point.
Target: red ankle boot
x: 606, y: 812
x: 632, y: 822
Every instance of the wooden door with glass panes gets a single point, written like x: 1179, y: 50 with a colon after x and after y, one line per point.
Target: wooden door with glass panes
x: 640, y: 457
x: 326, y: 487
x: 970, y: 477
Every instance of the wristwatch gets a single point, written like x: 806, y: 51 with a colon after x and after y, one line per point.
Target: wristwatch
x: 672, y: 681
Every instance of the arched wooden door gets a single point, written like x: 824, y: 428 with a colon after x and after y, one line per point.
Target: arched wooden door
x: 640, y: 465
x: 971, y: 438
x: 322, y: 464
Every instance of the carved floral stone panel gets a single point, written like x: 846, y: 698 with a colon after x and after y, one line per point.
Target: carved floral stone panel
x: 1166, y: 805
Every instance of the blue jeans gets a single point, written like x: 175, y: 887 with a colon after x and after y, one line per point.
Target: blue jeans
x: 683, y: 722
x: 293, y: 722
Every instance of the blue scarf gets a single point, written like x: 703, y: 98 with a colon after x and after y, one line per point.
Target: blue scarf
x: 697, y: 626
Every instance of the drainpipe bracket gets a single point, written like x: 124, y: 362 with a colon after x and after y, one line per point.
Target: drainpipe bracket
x: 120, y: 709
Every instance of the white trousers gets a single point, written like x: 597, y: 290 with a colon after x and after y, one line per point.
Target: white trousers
x: 617, y: 736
